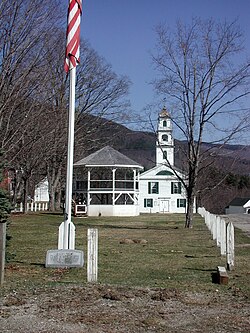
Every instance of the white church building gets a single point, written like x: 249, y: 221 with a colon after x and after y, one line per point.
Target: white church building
x: 161, y: 191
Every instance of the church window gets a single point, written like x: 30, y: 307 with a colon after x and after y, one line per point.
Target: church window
x: 153, y: 187
x: 148, y: 202
x: 164, y: 173
x: 181, y: 203
x: 165, y: 137
x: 164, y: 123
x: 175, y: 188
x: 165, y: 155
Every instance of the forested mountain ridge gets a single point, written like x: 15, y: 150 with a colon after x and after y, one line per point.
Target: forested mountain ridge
x: 230, y: 165
x: 140, y: 146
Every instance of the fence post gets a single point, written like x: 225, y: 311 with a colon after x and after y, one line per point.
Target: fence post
x: 218, y: 231
x: 214, y: 232
x: 230, y: 246
x: 92, y: 261
x: 223, y: 246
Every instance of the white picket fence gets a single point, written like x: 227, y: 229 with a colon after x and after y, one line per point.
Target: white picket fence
x: 222, y: 232
x: 31, y: 207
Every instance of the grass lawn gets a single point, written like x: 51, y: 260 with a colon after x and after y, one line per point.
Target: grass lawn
x: 174, y: 257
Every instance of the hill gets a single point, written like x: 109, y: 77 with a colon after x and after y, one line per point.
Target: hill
x: 230, y: 165
x: 140, y: 146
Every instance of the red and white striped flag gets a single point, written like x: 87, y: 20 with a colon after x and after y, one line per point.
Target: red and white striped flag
x: 72, y: 56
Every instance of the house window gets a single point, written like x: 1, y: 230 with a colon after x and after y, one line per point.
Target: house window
x: 153, y: 188
x: 175, y: 187
x: 148, y: 203
x: 165, y: 155
x: 181, y: 203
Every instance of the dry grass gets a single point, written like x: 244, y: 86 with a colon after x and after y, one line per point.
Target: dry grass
x: 174, y: 257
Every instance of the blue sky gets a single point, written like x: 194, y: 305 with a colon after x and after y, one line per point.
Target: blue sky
x: 122, y: 31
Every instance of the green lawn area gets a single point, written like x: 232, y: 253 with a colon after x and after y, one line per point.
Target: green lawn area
x: 174, y: 257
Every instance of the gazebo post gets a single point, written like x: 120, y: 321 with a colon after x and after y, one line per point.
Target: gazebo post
x: 113, y: 186
x: 88, y: 190
x: 134, y: 170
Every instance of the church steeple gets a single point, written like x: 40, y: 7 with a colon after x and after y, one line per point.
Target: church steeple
x: 165, y: 142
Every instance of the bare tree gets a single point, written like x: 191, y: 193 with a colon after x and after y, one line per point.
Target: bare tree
x: 24, y: 26
x: 99, y: 93
x: 204, y: 84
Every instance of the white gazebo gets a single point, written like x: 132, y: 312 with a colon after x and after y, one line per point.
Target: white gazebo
x: 111, y: 184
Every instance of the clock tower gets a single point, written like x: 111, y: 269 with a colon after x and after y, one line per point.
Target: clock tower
x: 165, y: 141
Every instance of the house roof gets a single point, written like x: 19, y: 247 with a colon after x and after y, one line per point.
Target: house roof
x: 108, y: 157
x: 247, y: 204
x: 238, y: 201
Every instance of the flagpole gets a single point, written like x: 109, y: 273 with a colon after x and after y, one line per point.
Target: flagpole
x: 70, y: 159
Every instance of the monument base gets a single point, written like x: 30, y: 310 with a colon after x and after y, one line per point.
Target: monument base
x: 64, y: 258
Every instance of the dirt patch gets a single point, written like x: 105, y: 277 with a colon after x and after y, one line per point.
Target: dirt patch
x: 99, y: 308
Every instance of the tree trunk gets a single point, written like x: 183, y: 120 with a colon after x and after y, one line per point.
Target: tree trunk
x: 190, y: 211
x: 54, y: 176
x: 25, y: 188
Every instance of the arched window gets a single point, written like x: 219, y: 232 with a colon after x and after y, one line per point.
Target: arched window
x: 164, y: 137
x: 165, y: 155
x: 164, y: 123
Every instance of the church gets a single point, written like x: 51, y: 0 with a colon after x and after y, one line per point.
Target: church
x: 161, y: 191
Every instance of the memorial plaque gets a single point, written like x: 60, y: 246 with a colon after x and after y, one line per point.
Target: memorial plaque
x: 64, y: 258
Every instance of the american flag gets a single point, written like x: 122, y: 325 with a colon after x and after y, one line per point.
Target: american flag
x: 72, y: 56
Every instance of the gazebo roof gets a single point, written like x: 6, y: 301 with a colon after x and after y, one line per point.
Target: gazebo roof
x: 108, y: 157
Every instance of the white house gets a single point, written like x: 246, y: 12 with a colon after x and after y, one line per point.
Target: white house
x: 41, y: 191
x: 238, y: 206
x: 161, y: 191
x: 247, y: 207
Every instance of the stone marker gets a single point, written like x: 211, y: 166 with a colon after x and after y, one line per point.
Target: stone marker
x: 64, y: 258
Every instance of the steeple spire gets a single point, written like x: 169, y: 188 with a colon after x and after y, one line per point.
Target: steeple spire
x: 165, y: 142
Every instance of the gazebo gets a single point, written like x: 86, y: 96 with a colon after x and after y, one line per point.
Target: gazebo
x: 110, y: 184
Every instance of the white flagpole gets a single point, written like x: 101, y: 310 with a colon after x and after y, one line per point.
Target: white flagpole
x: 70, y: 158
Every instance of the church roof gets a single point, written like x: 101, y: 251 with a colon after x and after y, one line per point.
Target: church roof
x: 108, y: 157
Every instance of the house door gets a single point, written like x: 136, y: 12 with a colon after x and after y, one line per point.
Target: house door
x: 164, y: 206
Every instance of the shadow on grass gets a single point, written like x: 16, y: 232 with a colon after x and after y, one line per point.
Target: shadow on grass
x: 29, y: 263
x: 112, y: 226
x: 199, y: 269
x: 214, y: 274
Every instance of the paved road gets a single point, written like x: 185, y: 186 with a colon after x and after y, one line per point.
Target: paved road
x: 241, y: 221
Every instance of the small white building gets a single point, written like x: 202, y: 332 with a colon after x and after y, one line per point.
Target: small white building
x: 247, y: 207
x: 41, y: 191
x: 161, y: 191
x: 238, y: 206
